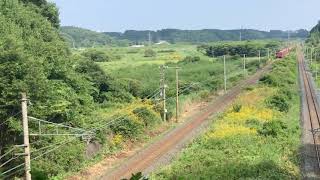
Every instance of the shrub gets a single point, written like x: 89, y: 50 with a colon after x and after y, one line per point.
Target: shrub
x: 286, y: 93
x: 269, y: 80
x: 191, y: 59
x: 96, y: 55
x: 166, y: 51
x: 133, y: 86
x: 204, y: 94
x: 149, y: 53
x: 273, y: 128
x: 127, y: 127
x: 253, y: 123
x: 147, y: 116
x: 236, y: 107
x: 278, y: 102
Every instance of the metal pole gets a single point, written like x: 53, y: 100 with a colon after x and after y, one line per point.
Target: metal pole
x: 27, y: 160
x: 225, y: 73
x: 177, y: 94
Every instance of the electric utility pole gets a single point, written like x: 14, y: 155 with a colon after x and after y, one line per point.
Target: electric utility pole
x: 163, y: 90
x: 315, y: 59
x: 259, y: 57
x: 149, y: 38
x: 225, y: 73
x: 177, y: 94
x: 244, y: 64
x: 311, y: 54
x: 240, y: 34
x: 27, y: 160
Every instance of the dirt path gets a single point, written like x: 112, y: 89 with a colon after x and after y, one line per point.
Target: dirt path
x: 309, y: 121
x: 161, y: 151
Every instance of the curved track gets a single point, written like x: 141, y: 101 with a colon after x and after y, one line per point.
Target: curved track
x: 146, y: 160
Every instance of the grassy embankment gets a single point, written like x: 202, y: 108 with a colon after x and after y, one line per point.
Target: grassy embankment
x: 258, y: 137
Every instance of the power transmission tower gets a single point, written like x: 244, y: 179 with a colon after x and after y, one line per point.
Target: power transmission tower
x: 27, y: 160
x: 163, y: 90
x: 225, y: 73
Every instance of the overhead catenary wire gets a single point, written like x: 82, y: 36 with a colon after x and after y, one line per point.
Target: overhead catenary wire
x: 37, y: 157
x: 10, y: 170
x: 10, y: 118
x: 5, y: 154
x: 8, y: 161
x: 57, y: 147
x: 46, y: 147
x: 19, y: 170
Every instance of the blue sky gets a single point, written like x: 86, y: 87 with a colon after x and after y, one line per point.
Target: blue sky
x: 120, y: 15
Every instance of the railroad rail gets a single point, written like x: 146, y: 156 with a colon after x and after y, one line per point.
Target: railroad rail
x: 148, y: 157
x: 310, y: 115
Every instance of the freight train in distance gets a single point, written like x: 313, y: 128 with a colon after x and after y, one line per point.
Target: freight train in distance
x: 283, y: 53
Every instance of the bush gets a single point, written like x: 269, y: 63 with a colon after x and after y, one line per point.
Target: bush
x: 147, y: 116
x: 191, y: 59
x: 96, y: 55
x: 149, y: 53
x: 236, y: 107
x: 166, y: 51
x: 204, y: 94
x: 128, y: 127
x: 133, y: 86
x: 273, y: 128
x: 278, y: 102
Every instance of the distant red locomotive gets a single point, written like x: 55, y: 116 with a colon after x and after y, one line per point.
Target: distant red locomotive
x: 283, y: 53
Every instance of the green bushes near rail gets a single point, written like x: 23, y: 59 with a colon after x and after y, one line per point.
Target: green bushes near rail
x: 256, y: 138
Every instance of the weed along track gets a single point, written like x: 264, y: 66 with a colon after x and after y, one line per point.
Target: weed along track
x: 310, y: 117
x: 147, y: 159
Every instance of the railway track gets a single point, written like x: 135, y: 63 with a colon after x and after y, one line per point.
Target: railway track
x: 147, y: 158
x: 310, y: 118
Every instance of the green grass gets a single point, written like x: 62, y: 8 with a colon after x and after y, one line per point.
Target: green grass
x: 237, y: 150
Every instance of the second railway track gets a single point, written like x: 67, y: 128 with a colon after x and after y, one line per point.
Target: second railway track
x: 310, y: 117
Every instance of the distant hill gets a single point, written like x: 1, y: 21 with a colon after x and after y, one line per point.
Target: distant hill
x: 314, y: 37
x: 205, y: 35
x: 80, y: 37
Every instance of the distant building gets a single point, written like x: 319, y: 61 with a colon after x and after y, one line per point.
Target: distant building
x: 162, y: 42
x: 137, y: 46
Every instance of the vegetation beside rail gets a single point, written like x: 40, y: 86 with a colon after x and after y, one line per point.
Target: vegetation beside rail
x: 257, y: 137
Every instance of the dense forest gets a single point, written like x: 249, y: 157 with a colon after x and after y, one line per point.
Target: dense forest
x: 314, y: 37
x: 61, y: 87
x: 79, y: 37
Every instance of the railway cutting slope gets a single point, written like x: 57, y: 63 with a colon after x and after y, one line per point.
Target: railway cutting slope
x: 161, y: 151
